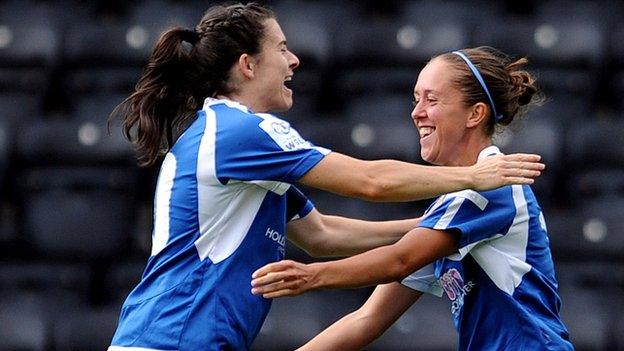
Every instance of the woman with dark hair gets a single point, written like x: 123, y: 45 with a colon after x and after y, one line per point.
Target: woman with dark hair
x: 224, y: 195
x: 488, y: 250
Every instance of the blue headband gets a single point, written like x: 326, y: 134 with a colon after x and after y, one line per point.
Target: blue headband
x: 477, y: 75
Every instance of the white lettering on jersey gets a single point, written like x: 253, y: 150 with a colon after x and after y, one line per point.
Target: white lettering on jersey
x: 277, y: 237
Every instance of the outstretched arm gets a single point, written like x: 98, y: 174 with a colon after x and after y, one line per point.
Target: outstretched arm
x: 389, y: 180
x: 382, y: 265
x: 358, y: 329
x: 323, y: 235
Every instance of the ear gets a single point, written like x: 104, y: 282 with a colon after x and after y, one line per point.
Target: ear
x: 478, y: 115
x: 246, y: 65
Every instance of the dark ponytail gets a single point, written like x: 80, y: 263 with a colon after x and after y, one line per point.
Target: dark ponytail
x: 185, y: 67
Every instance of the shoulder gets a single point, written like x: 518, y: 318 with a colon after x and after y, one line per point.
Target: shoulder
x: 483, y: 199
x: 497, y: 201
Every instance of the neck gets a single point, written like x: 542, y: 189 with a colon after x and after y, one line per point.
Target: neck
x: 246, y: 100
x: 470, y: 150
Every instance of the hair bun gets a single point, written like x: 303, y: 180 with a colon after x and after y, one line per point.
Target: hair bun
x: 523, y: 85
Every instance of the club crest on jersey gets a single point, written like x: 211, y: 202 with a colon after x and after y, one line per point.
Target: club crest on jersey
x: 280, y: 127
x: 281, y: 132
x: 453, y: 284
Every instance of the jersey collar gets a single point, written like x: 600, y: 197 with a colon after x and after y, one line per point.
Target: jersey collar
x: 233, y: 104
x: 488, y: 151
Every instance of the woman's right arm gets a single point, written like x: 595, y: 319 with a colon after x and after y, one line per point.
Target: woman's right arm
x: 358, y: 329
x: 390, y: 180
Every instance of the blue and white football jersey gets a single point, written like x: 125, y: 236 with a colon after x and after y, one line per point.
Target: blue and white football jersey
x: 501, y: 282
x: 222, y: 202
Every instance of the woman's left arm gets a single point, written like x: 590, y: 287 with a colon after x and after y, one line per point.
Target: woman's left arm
x: 378, y: 266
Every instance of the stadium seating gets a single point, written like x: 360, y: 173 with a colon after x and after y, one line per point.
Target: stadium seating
x: 566, y: 54
x: 5, y: 145
x: 381, y: 127
x: 427, y: 325
x: 311, y: 313
x: 594, y: 158
x: 64, y: 65
x: 82, y: 328
x: 542, y: 135
x: 24, y: 325
x: 587, y: 315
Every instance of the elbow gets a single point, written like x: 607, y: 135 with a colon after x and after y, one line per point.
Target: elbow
x: 370, y: 326
x: 318, y: 249
x: 373, y: 187
x: 318, y: 243
x: 401, y: 268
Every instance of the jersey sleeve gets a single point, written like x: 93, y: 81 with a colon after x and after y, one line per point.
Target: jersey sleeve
x: 474, y: 216
x: 424, y: 280
x: 262, y: 147
x: 297, y: 204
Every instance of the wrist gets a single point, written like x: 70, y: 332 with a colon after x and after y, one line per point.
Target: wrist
x: 469, y: 181
x: 316, y: 275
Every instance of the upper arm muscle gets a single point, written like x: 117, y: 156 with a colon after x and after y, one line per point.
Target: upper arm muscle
x: 339, y: 174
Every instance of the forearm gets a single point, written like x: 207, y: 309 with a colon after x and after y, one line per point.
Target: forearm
x: 346, y: 236
x: 352, y: 332
x: 389, y: 180
x: 377, y: 266
x: 381, y: 265
x: 400, y: 181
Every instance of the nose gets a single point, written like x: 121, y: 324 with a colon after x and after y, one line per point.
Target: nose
x: 293, y: 61
x: 418, y: 111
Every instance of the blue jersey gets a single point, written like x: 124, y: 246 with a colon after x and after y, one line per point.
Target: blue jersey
x: 222, y: 202
x: 501, y: 282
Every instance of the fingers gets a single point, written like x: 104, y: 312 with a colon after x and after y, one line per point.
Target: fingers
x: 283, y: 278
x: 522, y: 157
x: 272, y: 267
x: 280, y: 293
x: 518, y: 180
x: 278, y: 289
x: 271, y: 278
x: 523, y: 161
x: 520, y: 172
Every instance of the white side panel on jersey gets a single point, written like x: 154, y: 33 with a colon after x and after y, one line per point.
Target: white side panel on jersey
x: 223, y: 228
x: 504, y: 259
x: 424, y: 280
x: 277, y: 187
x: 162, y: 203
x: 225, y: 212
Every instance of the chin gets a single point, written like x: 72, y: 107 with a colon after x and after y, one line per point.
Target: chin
x: 430, y: 159
x: 283, y: 106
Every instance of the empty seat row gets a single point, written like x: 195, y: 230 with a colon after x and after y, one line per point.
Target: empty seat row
x: 417, y: 31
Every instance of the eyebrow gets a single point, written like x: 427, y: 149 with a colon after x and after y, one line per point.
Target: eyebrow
x: 427, y: 91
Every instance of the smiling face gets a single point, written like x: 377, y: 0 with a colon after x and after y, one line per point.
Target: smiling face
x: 274, y: 67
x: 441, y: 116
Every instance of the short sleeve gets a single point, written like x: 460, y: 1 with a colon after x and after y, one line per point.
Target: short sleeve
x: 476, y: 216
x: 262, y: 147
x: 424, y: 280
x: 297, y: 204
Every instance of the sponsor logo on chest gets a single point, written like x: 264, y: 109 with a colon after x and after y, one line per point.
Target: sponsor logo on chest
x: 276, y: 237
x: 453, y: 284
